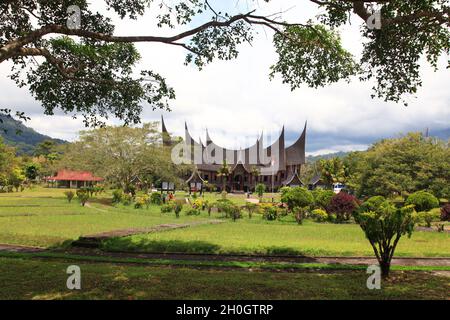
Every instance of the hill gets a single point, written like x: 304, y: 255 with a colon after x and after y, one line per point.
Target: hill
x: 340, y: 154
x: 24, y: 138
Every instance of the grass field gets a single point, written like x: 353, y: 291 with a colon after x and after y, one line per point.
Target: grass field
x: 259, y: 237
x: 36, y: 279
x: 43, y: 217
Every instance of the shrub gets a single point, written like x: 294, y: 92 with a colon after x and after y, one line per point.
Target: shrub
x: 117, y: 196
x: 297, y: 197
x: 69, y: 195
x: 167, y: 208
x: 156, y: 198
x: 209, y: 207
x: 270, y: 213
x: 250, y: 207
x: 83, y: 196
x: 445, y: 212
x: 127, y: 199
x: 141, y: 202
x: 319, y: 215
x: 342, y: 205
x: 322, y: 197
x: 223, y: 205
x: 422, y: 201
x: 193, y: 212
x: 428, y: 217
x: 372, y: 204
x: 197, y: 204
x: 260, y: 189
x: 177, y: 207
x: 235, y: 212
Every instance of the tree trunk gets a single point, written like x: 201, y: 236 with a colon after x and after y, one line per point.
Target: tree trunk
x: 385, y: 268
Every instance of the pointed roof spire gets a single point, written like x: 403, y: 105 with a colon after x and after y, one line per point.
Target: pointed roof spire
x: 208, y: 138
x: 165, y: 134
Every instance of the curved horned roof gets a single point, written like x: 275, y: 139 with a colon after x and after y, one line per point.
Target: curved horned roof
x: 255, y: 154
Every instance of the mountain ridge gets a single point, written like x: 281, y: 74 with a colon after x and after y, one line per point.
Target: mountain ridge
x: 15, y: 133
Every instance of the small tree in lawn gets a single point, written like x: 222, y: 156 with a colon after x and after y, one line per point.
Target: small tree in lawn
x: 384, y: 227
x: 83, y: 196
x: 250, y: 207
x: 260, y: 189
x: 297, y: 197
x: 69, y: 195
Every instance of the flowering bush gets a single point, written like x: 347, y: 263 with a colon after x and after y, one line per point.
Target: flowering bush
x: 319, y: 215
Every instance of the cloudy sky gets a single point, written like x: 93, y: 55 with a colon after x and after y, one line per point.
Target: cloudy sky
x: 236, y: 100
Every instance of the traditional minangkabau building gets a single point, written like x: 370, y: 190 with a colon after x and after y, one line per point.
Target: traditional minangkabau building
x: 277, y: 165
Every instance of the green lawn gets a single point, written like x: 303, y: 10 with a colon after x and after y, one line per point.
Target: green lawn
x: 35, y: 279
x: 259, y: 237
x: 43, y: 217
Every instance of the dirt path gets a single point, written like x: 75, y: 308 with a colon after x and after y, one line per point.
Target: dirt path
x: 95, y: 240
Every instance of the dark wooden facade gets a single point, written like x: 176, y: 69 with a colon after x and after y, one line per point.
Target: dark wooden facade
x: 278, y: 165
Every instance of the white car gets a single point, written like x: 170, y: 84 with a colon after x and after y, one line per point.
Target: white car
x: 337, y: 187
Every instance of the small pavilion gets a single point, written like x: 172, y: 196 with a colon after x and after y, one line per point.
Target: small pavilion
x: 73, y: 179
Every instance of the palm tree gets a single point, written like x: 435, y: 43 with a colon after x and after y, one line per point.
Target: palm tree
x: 224, y: 171
x: 255, y: 172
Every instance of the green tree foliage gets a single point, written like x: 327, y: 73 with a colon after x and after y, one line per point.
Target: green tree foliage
x: 332, y: 171
x: 16, y: 178
x: 409, y: 163
x: 10, y: 173
x: 69, y: 195
x: 124, y: 156
x: 322, y: 197
x: 260, y: 189
x: 32, y: 170
x: 433, y: 215
x: 422, y: 201
x: 383, y: 227
x: 45, y: 148
x: 94, y: 74
x: 223, y: 172
x: 297, y: 197
x: 83, y: 196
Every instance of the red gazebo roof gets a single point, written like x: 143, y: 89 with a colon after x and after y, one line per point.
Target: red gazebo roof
x: 74, y: 176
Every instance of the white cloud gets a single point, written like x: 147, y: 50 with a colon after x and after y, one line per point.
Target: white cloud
x: 236, y: 100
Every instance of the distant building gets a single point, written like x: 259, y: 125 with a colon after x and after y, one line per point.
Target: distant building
x: 72, y: 179
x: 277, y: 165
